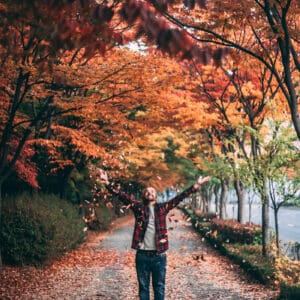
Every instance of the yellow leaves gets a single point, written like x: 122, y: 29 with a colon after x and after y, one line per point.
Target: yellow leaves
x: 287, y: 270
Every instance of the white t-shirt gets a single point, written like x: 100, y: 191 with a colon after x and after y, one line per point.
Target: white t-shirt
x: 149, y: 238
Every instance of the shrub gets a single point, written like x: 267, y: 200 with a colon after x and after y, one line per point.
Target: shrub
x: 189, y: 211
x: 203, y: 228
x: 250, y: 258
x: 288, y: 274
x: 289, y: 292
x: 39, y: 228
x: 247, y: 256
x: 287, y: 270
x: 234, y: 232
x: 205, y: 216
x: 101, y: 218
x: 268, y: 270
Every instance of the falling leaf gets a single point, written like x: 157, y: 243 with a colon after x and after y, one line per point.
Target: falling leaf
x: 214, y: 233
x: 109, y: 205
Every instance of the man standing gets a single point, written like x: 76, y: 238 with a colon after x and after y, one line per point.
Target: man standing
x: 150, y: 237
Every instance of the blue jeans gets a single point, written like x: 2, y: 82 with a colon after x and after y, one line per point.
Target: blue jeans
x: 155, y: 265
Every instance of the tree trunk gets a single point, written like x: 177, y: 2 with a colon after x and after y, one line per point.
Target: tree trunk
x: 265, y: 222
x: 48, y: 130
x: 116, y: 205
x: 291, y: 96
x: 276, y: 209
x: 193, y: 202
x: 209, y: 194
x: 198, y: 201
x: 223, y: 198
x: 216, y: 193
x: 239, y: 188
x: 250, y: 211
x: 204, y: 197
x: 168, y: 194
x: 205, y: 203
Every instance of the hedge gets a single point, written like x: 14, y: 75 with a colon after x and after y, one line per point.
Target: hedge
x: 231, y: 231
x: 289, y: 292
x: 248, y: 256
x: 38, y: 228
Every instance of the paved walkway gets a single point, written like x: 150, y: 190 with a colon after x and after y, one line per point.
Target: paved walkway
x: 104, y: 269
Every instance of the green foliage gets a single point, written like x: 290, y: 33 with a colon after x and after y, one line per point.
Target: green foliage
x: 177, y: 163
x: 140, y: 108
x: 189, y: 211
x: 250, y: 259
x: 219, y: 167
x: 79, y: 186
x: 101, y: 218
x: 289, y: 292
x: 38, y: 228
x: 74, y: 185
x: 296, y: 202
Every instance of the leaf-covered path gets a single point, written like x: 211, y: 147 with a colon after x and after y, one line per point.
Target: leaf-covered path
x: 104, y: 269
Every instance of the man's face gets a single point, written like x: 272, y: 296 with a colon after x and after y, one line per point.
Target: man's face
x: 150, y: 194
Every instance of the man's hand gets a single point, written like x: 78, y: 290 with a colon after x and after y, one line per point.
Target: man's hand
x: 103, y: 176
x: 200, y: 181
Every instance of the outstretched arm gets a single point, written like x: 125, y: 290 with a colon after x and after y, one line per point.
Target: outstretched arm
x: 176, y: 200
x: 125, y: 198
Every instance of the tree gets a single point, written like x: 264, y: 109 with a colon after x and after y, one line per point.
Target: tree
x: 40, y: 41
x: 43, y: 34
x: 266, y: 30
x: 241, y: 99
x: 278, y: 162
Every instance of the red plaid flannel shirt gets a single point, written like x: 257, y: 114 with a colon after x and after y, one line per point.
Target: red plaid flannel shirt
x: 141, y: 213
